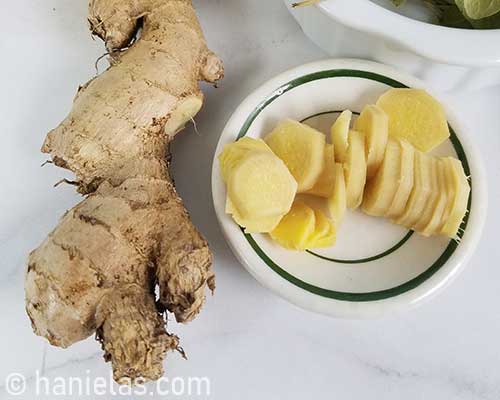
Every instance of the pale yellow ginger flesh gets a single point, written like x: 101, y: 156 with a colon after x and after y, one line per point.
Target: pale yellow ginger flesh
x: 405, y: 180
x: 253, y: 225
x: 97, y: 272
x: 380, y: 191
x: 459, y: 189
x: 296, y: 227
x: 375, y: 164
x: 339, y: 133
x: 337, y: 202
x: 355, y: 169
x: 235, y: 152
x: 429, y: 194
x: 429, y: 225
x: 421, y: 192
x: 414, y: 115
x: 374, y: 124
x: 431, y: 203
x: 304, y: 227
x: 301, y: 148
x: 260, y: 188
x: 325, y: 183
x: 260, y: 185
x: 324, y: 234
x: 439, y: 197
x: 258, y: 225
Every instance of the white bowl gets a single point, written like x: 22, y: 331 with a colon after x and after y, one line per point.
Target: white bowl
x: 375, y: 267
x: 448, y: 58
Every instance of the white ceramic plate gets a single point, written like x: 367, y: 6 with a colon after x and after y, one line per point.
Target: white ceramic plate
x: 375, y: 266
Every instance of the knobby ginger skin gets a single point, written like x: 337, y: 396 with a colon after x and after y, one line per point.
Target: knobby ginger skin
x: 97, y: 271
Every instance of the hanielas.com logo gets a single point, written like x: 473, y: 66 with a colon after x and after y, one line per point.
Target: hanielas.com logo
x: 17, y: 384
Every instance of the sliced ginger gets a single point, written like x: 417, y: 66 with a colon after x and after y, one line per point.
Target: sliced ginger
x: 405, y: 180
x: 374, y: 123
x: 304, y: 228
x: 325, y: 183
x: 337, y: 202
x: 321, y: 227
x: 251, y: 143
x: 296, y: 227
x: 434, y: 197
x: 258, y: 225
x: 380, y: 191
x: 324, y: 234
x: 370, y: 165
x: 438, y: 202
x: 301, y: 148
x: 260, y: 186
x: 355, y: 169
x: 253, y: 225
x: 414, y: 115
x: 339, y: 133
x: 421, y: 191
x: 447, y: 203
x: 235, y: 152
x: 459, y: 189
x: 432, y: 226
x: 429, y: 194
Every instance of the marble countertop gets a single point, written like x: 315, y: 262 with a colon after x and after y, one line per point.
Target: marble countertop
x: 249, y: 343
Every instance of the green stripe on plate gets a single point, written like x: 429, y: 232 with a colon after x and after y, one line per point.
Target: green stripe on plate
x: 367, y: 259
x: 354, y: 297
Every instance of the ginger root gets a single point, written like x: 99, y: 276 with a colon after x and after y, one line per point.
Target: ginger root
x: 98, y: 270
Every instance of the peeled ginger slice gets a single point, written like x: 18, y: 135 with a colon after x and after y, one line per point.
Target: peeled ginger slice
x: 374, y: 123
x: 322, y: 225
x: 431, y: 227
x: 380, y: 191
x: 236, y: 151
x: 296, y: 227
x: 251, y: 143
x: 324, y: 232
x: 325, y: 183
x: 261, y: 186
x: 405, y: 186
x: 301, y: 148
x: 421, y: 192
x: 416, y: 116
x: 355, y: 169
x: 339, y: 133
x: 459, y: 189
x: 337, y: 202
x: 255, y: 225
x: 260, y: 220
x: 426, y: 215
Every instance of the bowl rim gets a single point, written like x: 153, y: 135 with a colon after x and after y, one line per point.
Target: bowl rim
x: 341, y: 308
x: 465, y: 47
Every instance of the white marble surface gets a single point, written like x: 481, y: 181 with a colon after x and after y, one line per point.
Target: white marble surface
x: 248, y: 342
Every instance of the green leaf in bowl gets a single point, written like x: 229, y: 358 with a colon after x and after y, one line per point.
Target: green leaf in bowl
x: 452, y: 17
x: 491, y: 22
x: 479, y: 9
